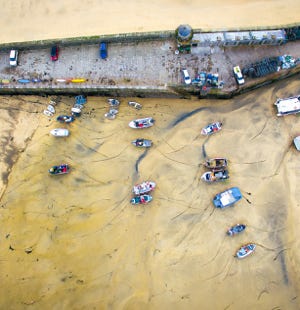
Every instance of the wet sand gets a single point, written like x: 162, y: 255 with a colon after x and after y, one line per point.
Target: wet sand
x: 75, y: 242
x: 32, y: 20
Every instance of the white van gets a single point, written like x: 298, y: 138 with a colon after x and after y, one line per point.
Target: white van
x: 186, y: 77
x: 13, y: 58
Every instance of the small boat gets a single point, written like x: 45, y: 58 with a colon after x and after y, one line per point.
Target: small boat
x: 135, y: 105
x: 236, y: 229
x: 143, y: 188
x: 80, y: 99
x: 110, y: 115
x: 61, y: 80
x: 245, y: 250
x: 79, y: 80
x: 60, y: 132
x: 143, y: 199
x: 51, y: 108
x: 211, y: 128
x: 24, y: 81
x: 140, y: 142
x: 216, y: 163
x: 76, y: 112
x: 113, y: 102
x: 65, y: 118
x: 48, y: 113
x: 5, y: 81
x: 61, y: 169
x: 215, y: 175
x: 142, y: 123
x: 78, y: 106
x: 288, y: 106
x: 297, y: 143
x: 35, y: 80
x: 227, y: 198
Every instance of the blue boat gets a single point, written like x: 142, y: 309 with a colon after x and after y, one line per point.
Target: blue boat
x: 227, y: 198
x: 236, y: 229
x: 65, y: 118
x: 245, y: 250
x: 142, y: 199
x: 24, y: 81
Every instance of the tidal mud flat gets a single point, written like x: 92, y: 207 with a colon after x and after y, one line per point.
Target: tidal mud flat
x: 74, y: 241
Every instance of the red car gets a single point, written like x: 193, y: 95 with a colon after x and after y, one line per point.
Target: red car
x: 54, y: 53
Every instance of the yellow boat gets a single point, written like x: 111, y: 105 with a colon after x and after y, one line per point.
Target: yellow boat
x: 78, y: 80
x: 5, y: 81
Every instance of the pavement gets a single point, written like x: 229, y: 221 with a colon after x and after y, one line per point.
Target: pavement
x: 139, y: 65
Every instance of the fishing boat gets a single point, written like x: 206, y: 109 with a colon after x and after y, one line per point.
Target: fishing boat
x: 211, y: 128
x: 113, y: 102
x: 61, y: 169
x: 24, y: 81
x: 60, y: 132
x: 140, y: 142
x: 216, y: 163
x: 111, y: 114
x: 80, y: 99
x: 297, y: 143
x: 143, y: 199
x: 76, y: 112
x: 135, y: 105
x: 227, y: 198
x: 65, y: 118
x: 245, y: 250
x: 48, y: 113
x: 288, y: 106
x: 215, y: 175
x: 144, y: 188
x: 142, y: 123
x: 236, y: 229
x: 78, y: 80
x: 51, y: 108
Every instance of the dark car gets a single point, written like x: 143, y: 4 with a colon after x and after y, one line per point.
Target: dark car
x: 54, y: 53
x: 103, y: 50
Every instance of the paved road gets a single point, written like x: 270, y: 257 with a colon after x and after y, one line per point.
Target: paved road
x: 151, y: 64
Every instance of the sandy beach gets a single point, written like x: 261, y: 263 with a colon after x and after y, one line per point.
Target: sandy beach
x: 75, y: 242
x: 33, y: 20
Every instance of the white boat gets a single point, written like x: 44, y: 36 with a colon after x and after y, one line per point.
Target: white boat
x: 60, y: 132
x: 142, y: 123
x: 297, y: 143
x: 288, y: 106
x: 51, y: 108
x: 135, y: 105
x: 48, y: 113
x: 144, y: 188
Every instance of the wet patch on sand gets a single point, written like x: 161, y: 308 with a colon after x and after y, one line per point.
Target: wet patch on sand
x: 185, y: 116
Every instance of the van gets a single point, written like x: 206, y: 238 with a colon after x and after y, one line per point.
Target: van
x: 13, y: 58
x: 186, y: 77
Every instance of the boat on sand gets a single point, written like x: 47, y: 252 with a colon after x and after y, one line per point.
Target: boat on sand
x: 144, y: 188
x: 216, y: 163
x: 60, y: 169
x: 227, y: 198
x: 135, y: 105
x: 215, y: 175
x: 211, y: 128
x: 143, y: 199
x: 236, y: 229
x: 140, y: 142
x: 65, y: 119
x: 245, y: 250
x: 60, y: 132
x: 142, y: 123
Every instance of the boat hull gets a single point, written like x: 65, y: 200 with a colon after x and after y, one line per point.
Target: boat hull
x: 211, y: 128
x: 144, y: 188
x: 227, y: 198
x: 245, y: 250
x: 60, y: 132
x: 142, y: 143
x: 142, y: 123
x: 215, y: 176
x: 143, y: 199
x: 216, y: 163
x: 60, y: 169
x: 236, y: 229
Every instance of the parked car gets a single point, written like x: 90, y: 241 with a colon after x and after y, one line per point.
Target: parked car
x: 103, y: 50
x: 54, y: 53
x: 186, y: 76
x: 238, y: 75
x: 13, y: 58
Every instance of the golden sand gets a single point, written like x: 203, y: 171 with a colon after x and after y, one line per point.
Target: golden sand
x: 75, y: 242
